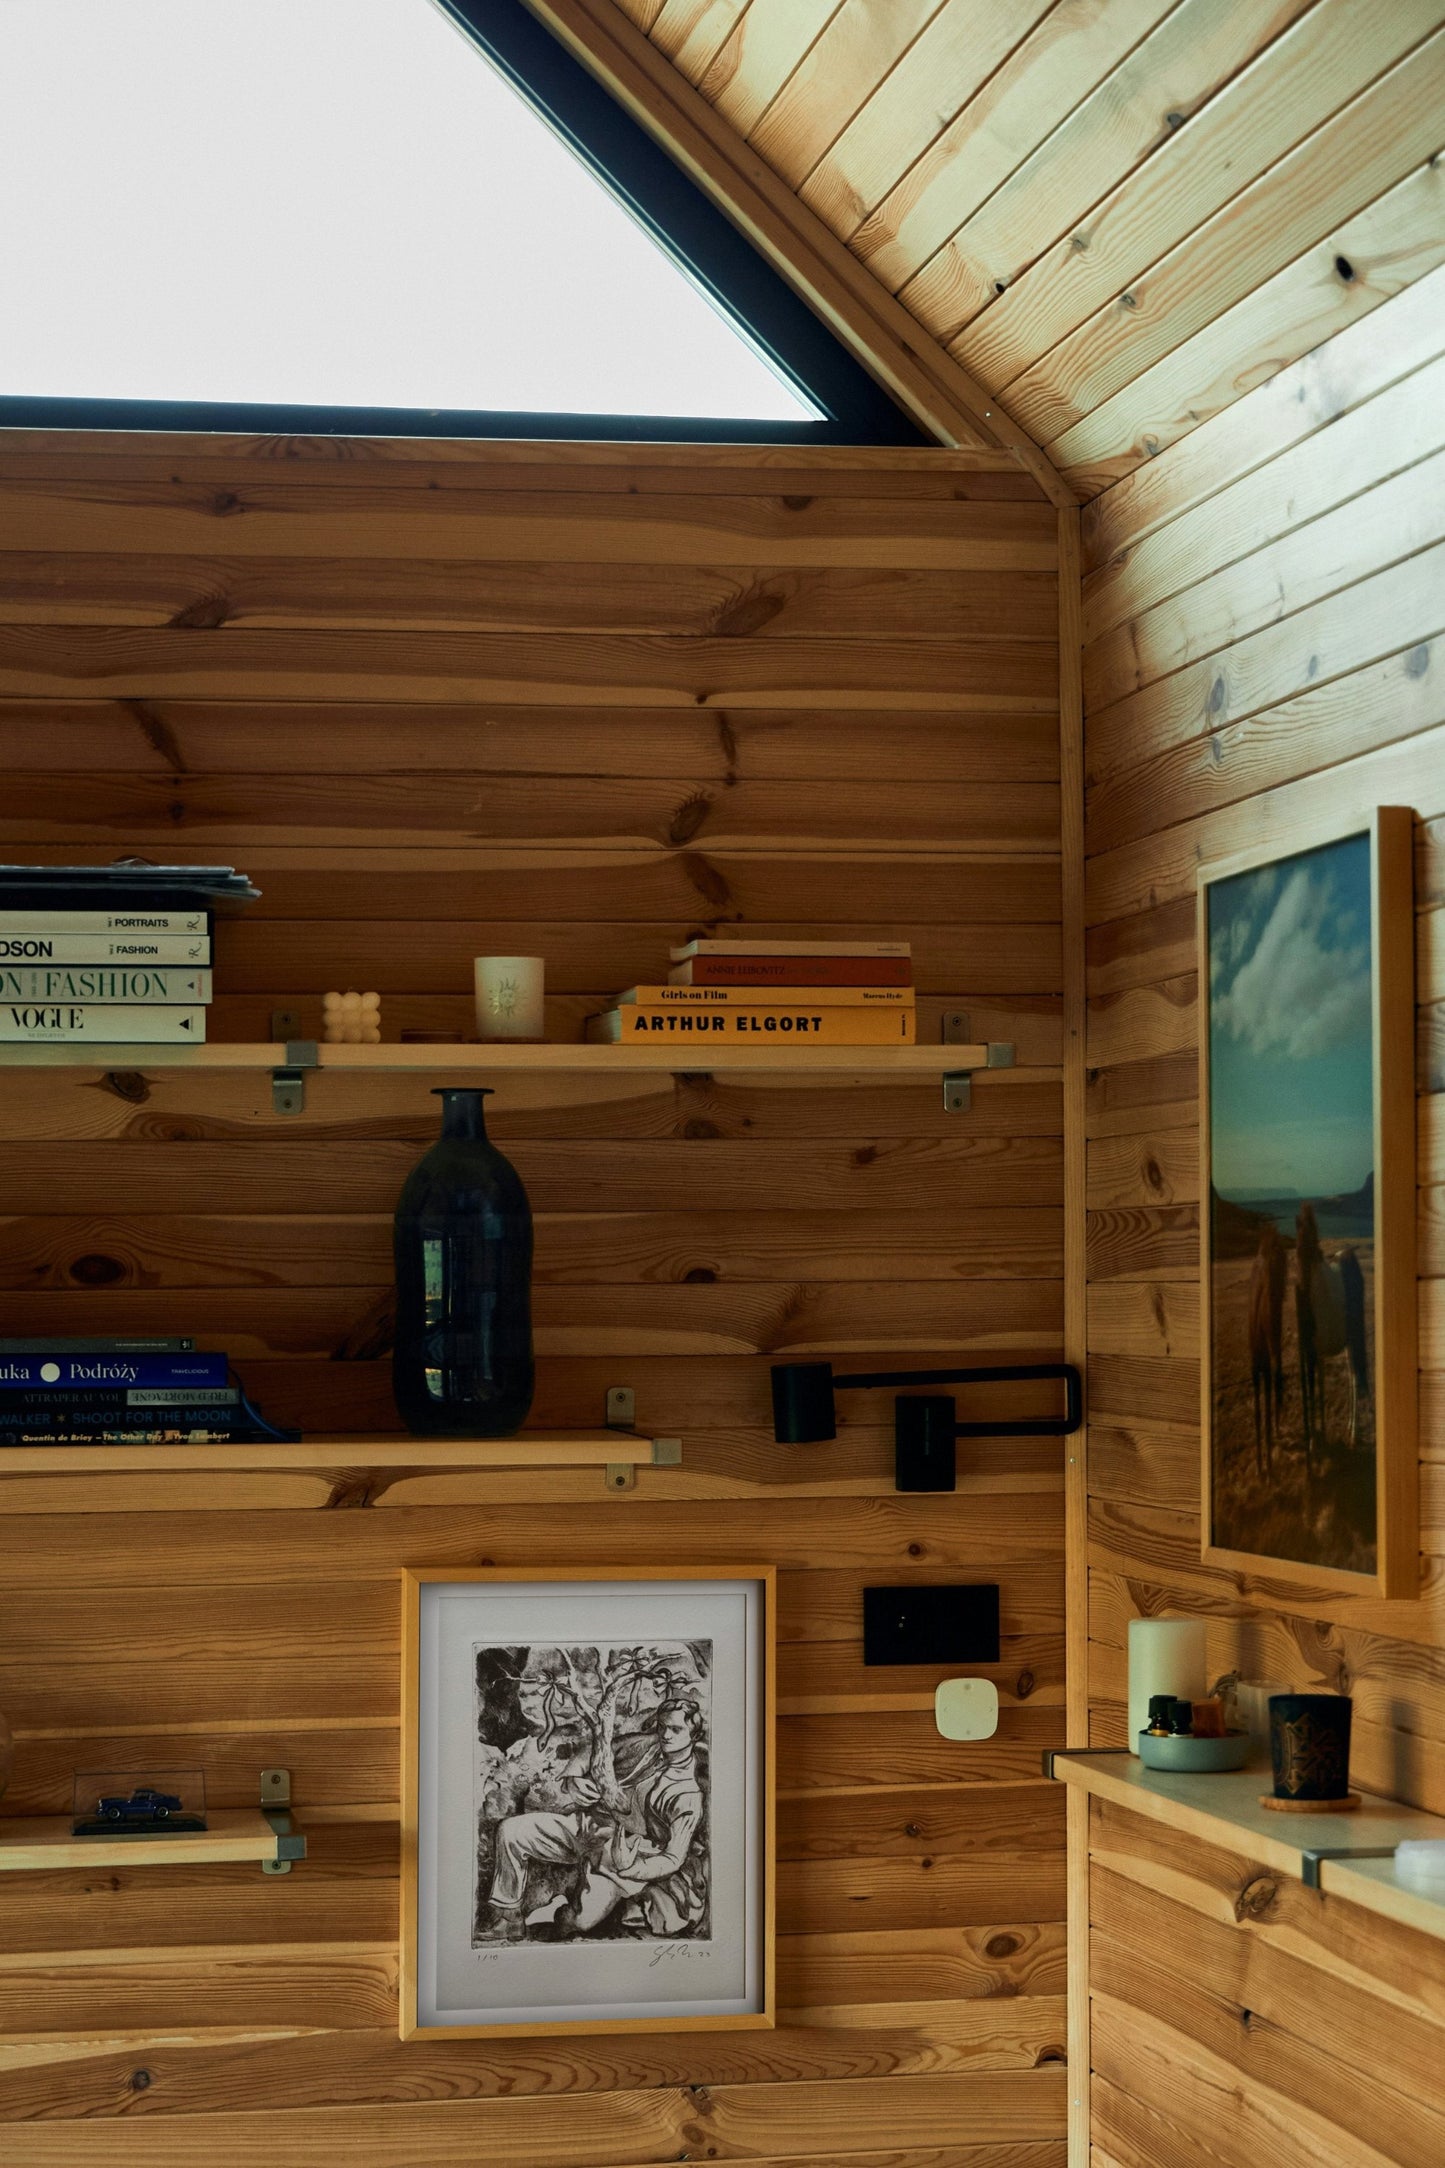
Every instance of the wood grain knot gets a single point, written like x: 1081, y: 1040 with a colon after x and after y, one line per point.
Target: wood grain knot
x: 748, y: 613
x: 351, y: 1493
x: 127, y: 1084
x: 1257, y: 1898
x: 689, y: 817
x: 202, y: 615
x: 708, y: 882
x: 1002, y: 1945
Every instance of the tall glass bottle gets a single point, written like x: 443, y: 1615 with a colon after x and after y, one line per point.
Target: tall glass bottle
x: 463, y: 1251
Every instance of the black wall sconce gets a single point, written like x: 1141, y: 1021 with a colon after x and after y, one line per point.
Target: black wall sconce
x: 925, y: 1425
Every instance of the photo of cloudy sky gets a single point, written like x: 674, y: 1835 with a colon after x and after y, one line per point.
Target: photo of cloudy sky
x: 1291, y: 1077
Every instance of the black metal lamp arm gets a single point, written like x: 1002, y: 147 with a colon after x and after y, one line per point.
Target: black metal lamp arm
x: 1052, y: 1426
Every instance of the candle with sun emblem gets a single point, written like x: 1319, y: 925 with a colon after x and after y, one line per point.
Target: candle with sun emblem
x: 509, y: 997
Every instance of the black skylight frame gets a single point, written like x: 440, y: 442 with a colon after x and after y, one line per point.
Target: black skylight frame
x: 641, y: 175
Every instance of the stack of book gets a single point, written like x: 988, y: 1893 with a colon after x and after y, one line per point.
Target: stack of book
x: 109, y: 955
x: 824, y: 993
x: 116, y: 1392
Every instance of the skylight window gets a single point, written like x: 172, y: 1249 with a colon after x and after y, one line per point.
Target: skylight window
x: 338, y: 204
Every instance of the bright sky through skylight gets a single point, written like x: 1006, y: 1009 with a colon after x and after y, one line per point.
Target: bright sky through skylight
x: 324, y: 202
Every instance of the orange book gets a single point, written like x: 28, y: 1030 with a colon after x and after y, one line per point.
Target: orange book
x: 698, y: 1029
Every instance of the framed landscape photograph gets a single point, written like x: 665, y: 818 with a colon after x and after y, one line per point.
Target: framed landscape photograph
x: 587, y: 1800
x: 1307, y: 1219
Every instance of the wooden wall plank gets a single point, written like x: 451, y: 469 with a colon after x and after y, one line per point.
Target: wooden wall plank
x: 1065, y: 55
x: 1370, y: 441
x: 1268, y: 108
x: 195, y: 594
x: 1191, y: 55
x: 274, y: 513
x: 1361, y: 360
x: 274, y: 738
x: 1357, y: 154
x: 1381, y: 526
x: 623, y: 2128
x: 941, y: 73
x: 1383, y: 249
x: 760, y: 55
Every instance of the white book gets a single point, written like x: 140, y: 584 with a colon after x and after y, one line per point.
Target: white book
x: 45, y: 920
x: 103, y: 982
x: 100, y: 1023
x: 105, y: 948
x: 790, y: 948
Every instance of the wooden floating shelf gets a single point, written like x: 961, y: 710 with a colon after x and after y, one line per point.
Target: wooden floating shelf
x: 579, y: 1449
x: 1224, y: 1810
x: 235, y: 1833
x: 481, y: 1061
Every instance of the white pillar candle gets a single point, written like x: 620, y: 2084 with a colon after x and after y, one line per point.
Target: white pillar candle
x: 509, y: 997
x: 1166, y: 1656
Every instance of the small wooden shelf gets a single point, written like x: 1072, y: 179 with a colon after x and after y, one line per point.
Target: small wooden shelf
x: 235, y: 1833
x: 1224, y: 1810
x: 480, y: 1061
x: 576, y: 1449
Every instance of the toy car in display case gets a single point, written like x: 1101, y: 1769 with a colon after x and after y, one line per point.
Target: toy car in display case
x: 136, y: 1804
x: 143, y: 1805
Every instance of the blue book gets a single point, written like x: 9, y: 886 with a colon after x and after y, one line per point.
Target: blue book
x: 125, y: 1410
x: 33, y: 1373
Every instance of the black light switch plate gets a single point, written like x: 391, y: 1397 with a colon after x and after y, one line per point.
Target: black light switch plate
x: 953, y: 1625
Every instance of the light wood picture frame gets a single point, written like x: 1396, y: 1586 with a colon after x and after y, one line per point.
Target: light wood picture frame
x: 588, y: 1829
x: 1307, y: 1208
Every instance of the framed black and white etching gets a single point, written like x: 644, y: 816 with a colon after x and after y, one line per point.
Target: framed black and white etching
x: 587, y: 1800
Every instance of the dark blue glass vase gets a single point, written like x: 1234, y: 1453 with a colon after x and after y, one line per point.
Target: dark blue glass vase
x: 463, y: 1249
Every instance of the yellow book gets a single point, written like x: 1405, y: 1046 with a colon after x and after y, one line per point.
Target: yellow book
x: 697, y: 1029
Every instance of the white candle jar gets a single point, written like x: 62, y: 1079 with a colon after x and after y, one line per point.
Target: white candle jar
x: 509, y: 994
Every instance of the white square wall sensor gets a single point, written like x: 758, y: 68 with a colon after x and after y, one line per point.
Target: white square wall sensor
x: 966, y: 1708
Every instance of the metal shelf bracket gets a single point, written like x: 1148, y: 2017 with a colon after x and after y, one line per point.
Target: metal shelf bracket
x: 620, y: 1414
x: 275, y: 1805
x: 1311, y: 1860
x: 956, y: 1030
x: 288, y: 1084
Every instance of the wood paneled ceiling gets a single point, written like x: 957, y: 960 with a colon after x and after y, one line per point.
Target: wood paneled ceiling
x: 1116, y: 216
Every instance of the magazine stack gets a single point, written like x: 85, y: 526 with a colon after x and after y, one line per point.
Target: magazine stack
x: 109, y: 955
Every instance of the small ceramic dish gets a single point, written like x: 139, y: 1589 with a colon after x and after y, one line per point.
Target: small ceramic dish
x: 1200, y: 1756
